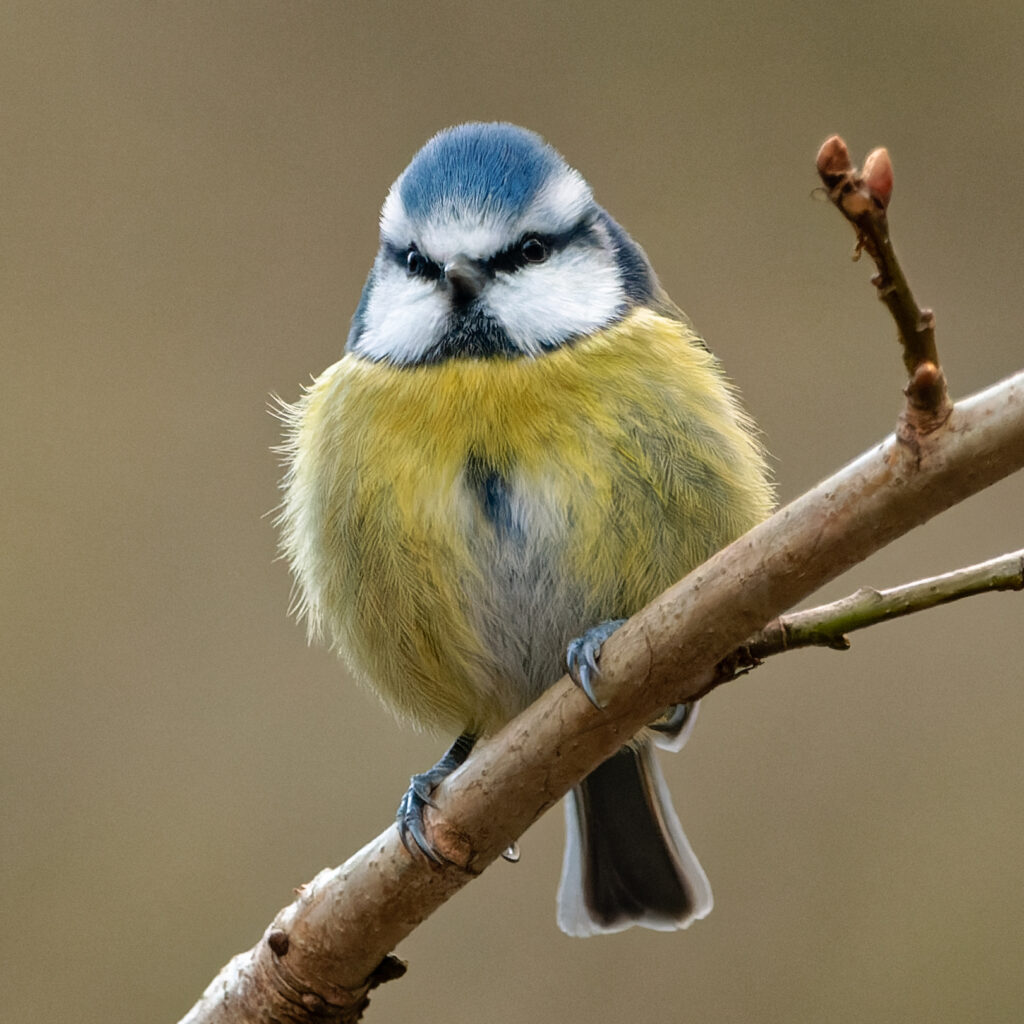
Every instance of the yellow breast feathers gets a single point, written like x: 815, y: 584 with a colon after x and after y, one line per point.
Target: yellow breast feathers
x: 452, y: 526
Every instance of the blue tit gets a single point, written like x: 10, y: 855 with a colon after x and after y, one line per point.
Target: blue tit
x: 523, y: 443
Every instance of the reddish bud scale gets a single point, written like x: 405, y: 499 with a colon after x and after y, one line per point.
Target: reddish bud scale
x: 878, y: 175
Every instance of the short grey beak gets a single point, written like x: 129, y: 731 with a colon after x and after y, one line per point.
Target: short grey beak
x: 465, y: 277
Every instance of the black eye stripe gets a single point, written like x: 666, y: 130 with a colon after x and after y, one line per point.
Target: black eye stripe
x: 509, y: 260
x: 413, y: 261
x: 512, y: 259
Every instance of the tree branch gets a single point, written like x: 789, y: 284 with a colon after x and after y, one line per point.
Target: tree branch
x: 323, y: 953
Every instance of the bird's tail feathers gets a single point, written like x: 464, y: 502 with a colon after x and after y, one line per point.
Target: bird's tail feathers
x: 627, y: 860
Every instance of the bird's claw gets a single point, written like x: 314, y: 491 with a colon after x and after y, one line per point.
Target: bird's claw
x: 582, y: 654
x: 417, y: 799
x: 419, y: 796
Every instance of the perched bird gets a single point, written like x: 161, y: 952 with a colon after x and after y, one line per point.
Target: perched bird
x: 523, y: 443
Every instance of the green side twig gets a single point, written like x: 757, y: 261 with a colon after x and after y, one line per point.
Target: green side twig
x: 828, y: 624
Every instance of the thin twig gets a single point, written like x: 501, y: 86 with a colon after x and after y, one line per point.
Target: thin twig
x: 829, y: 624
x: 863, y: 198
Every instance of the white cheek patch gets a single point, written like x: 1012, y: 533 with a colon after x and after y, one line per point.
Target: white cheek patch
x: 576, y: 291
x: 403, y: 318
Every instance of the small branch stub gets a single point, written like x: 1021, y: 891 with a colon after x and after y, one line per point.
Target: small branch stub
x: 278, y: 942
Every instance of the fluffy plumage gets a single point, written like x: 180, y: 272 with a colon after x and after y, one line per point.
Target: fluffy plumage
x: 523, y: 438
x: 455, y: 525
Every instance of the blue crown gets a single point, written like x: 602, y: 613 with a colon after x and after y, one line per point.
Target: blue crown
x: 497, y: 166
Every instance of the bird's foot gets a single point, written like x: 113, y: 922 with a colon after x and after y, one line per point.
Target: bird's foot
x: 582, y: 654
x: 418, y: 798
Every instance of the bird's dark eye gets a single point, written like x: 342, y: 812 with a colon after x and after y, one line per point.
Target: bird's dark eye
x: 415, y: 262
x: 533, y: 250
x: 528, y: 249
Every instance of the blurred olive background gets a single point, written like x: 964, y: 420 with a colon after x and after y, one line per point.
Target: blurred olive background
x: 188, y: 204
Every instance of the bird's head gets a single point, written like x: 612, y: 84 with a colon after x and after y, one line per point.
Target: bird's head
x: 492, y: 245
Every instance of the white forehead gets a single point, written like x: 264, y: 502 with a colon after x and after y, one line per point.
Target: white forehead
x: 481, y: 229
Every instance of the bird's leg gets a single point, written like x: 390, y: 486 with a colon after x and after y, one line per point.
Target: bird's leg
x: 417, y: 798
